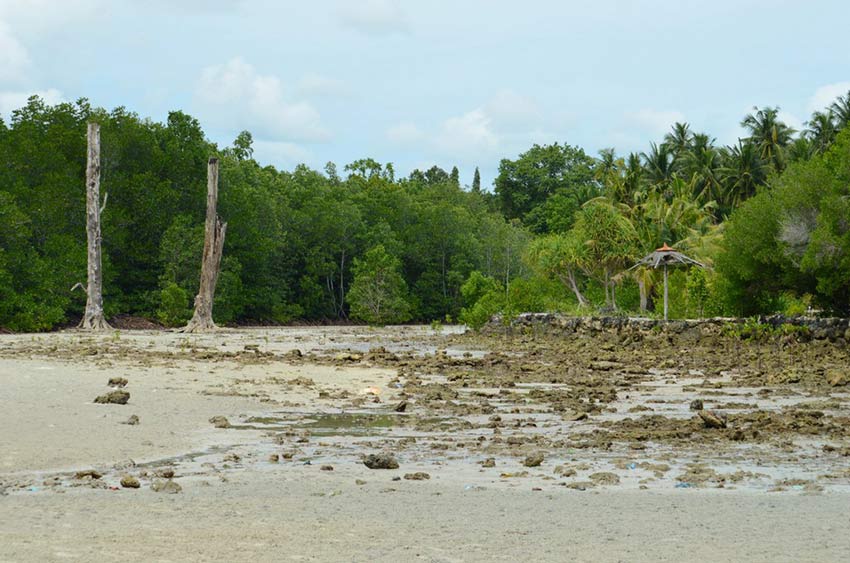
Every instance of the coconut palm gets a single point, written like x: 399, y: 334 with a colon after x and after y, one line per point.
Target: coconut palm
x: 678, y: 138
x: 658, y: 164
x: 769, y: 134
x: 701, y: 163
x: 743, y: 172
x: 841, y: 109
x: 821, y: 129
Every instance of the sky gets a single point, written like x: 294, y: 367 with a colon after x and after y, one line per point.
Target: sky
x: 419, y: 83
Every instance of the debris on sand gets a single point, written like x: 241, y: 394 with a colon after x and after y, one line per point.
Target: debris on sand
x: 274, y: 458
x: 117, y: 382
x: 88, y: 474
x: 113, y: 398
x: 220, y: 421
x: 165, y: 472
x: 129, y: 482
x: 489, y: 462
x: 534, y: 460
x: 327, y: 468
x: 132, y: 421
x: 167, y: 486
x: 380, y: 461
x: 713, y: 419
x: 838, y: 377
x: 401, y: 407
x: 696, y: 405
x: 418, y: 476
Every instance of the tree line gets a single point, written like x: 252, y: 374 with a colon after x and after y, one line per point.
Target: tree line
x: 769, y: 213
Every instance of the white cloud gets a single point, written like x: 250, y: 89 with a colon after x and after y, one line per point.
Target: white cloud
x: 14, y: 60
x: 12, y: 100
x: 469, y: 134
x: 404, y: 133
x: 236, y: 96
x: 825, y: 95
x: 374, y: 17
x: 656, y: 122
x: 510, y: 109
x: 791, y: 119
x: 318, y: 85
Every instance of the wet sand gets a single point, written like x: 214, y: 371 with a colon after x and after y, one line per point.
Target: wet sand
x: 627, y: 471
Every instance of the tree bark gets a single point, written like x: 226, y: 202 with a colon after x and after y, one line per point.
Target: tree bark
x: 93, y: 317
x: 214, y: 231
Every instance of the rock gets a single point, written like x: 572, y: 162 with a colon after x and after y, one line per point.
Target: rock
x: 167, y: 486
x: 232, y: 457
x: 605, y: 478
x: 129, y: 482
x: 578, y: 416
x: 132, y: 421
x: 489, y: 462
x: 534, y: 460
x: 360, y: 482
x: 380, y: 461
x: 165, y: 472
x: 113, y: 398
x: 401, y: 407
x: 580, y: 485
x: 220, y: 421
x: 418, y: 476
x: 696, y: 405
x: 327, y: 468
x: 88, y: 474
x: 117, y: 382
x: 565, y: 471
x: 604, y: 365
x: 713, y: 419
x: 837, y: 377
x: 274, y: 458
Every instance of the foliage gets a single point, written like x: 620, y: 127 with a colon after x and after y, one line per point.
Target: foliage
x: 379, y: 293
x: 173, y: 306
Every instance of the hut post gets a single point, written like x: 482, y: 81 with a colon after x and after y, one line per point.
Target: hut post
x: 665, y: 292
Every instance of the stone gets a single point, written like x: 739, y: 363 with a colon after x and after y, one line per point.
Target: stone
x: 113, y: 398
x: 274, y: 458
x: 220, y: 421
x: 380, y: 461
x: 327, y: 468
x: 132, y: 421
x: 117, y: 382
x: 401, y: 407
x: 713, y: 419
x: 489, y: 462
x: 605, y: 478
x: 696, y: 405
x: 129, y: 482
x: 88, y: 474
x: 534, y: 460
x: 167, y: 486
x: 418, y: 476
x: 837, y: 377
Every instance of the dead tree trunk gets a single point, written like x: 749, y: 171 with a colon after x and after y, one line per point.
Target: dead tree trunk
x: 214, y: 231
x: 93, y: 318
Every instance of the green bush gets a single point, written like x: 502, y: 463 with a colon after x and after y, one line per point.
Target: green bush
x: 173, y: 306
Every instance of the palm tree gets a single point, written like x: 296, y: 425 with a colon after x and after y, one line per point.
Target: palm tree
x: 658, y: 164
x: 841, y: 108
x: 802, y: 148
x: 743, y: 172
x: 678, y: 138
x: 770, y: 135
x: 701, y: 163
x: 821, y: 129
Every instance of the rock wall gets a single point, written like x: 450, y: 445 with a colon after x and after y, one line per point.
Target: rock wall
x: 835, y: 330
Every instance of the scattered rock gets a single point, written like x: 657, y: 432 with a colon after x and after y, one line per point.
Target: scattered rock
x: 605, y: 478
x: 401, y: 407
x: 360, y: 482
x: 713, y: 419
x: 88, y: 474
x: 113, y: 398
x: 274, y: 458
x: 696, y: 405
x: 327, y: 468
x: 380, y: 461
x: 165, y: 472
x: 580, y: 485
x: 418, y: 476
x: 167, y: 486
x: 220, y: 421
x: 489, y: 462
x: 565, y: 471
x: 129, y: 482
x: 232, y: 457
x: 132, y: 421
x: 578, y: 416
x: 534, y: 460
x: 117, y: 382
x: 837, y: 377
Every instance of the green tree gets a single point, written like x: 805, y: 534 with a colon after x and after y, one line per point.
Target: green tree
x: 476, y: 181
x: 378, y: 294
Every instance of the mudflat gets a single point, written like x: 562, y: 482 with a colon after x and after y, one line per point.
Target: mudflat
x: 407, y: 443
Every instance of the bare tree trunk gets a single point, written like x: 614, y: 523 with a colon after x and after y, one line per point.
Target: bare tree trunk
x: 569, y: 279
x: 93, y: 318
x: 643, y: 299
x: 214, y: 232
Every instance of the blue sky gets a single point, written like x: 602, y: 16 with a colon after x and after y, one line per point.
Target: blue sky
x: 417, y: 83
